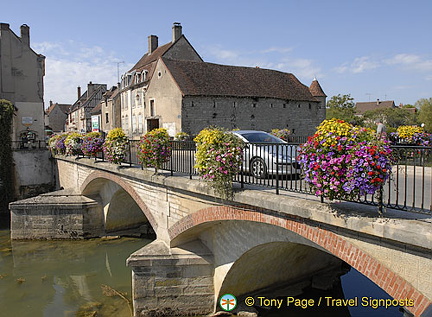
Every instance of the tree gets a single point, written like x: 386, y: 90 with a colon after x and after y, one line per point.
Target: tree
x: 425, y: 113
x: 341, y: 107
x: 392, y: 117
x: 6, y: 158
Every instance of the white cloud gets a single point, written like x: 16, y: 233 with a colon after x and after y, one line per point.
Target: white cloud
x: 71, y: 64
x: 277, y: 50
x: 411, y: 62
x: 359, y: 65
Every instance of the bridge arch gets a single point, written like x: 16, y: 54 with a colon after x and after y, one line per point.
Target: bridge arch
x: 195, y: 225
x: 117, y: 196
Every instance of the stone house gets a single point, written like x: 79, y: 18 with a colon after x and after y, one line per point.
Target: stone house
x: 79, y: 115
x: 172, y: 87
x: 110, y: 110
x: 21, y: 82
x: 189, y: 96
x: 137, y: 110
x: 56, y: 115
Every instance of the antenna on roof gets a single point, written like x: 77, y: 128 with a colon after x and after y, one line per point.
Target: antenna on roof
x: 118, y: 70
x: 368, y: 95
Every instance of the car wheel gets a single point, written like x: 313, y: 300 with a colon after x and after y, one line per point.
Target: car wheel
x: 258, y: 168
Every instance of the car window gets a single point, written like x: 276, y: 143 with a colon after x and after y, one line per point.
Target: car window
x: 261, y: 138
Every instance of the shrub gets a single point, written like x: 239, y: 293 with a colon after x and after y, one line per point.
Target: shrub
x: 182, y: 136
x: 73, y: 143
x: 281, y: 133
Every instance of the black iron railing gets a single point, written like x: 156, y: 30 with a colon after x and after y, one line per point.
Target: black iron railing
x: 274, y: 166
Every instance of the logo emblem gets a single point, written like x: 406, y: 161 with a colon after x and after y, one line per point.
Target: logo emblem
x: 228, y: 302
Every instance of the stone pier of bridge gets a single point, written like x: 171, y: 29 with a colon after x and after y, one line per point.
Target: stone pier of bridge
x: 206, y: 247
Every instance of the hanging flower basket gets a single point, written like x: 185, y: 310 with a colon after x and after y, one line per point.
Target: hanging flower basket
x: 73, y: 143
x: 92, y: 144
x: 341, y: 161
x: 218, y: 159
x: 154, y: 149
x: 115, y: 146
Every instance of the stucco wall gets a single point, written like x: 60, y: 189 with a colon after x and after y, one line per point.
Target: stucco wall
x: 167, y: 100
x: 21, y: 79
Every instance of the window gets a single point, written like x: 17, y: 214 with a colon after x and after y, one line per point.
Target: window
x: 140, y: 123
x: 126, y: 125
x: 152, y: 108
x: 134, y: 124
x: 106, y: 118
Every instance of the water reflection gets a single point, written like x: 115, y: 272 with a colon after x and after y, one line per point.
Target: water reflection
x: 64, y: 278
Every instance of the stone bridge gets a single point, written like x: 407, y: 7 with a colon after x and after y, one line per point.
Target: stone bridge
x: 206, y: 247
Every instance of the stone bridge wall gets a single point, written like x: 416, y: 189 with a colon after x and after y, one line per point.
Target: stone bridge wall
x: 393, y: 252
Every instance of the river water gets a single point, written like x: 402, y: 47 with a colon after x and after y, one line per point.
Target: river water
x: 90, y: 278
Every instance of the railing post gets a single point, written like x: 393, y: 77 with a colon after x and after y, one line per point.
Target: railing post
x: 277, y: 169
x: 242, y: 171
x: 171, y: 157
x: 130, y: 153
x: 190, y: 161
x: 380, y: 200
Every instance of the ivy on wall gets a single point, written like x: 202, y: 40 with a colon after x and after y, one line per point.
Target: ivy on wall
x: 6, y: 158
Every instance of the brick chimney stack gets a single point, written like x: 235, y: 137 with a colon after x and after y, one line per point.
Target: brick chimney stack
x: 79, y: 92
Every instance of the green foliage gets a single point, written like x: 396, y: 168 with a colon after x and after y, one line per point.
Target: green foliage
x: 341, y: 107
x: 281, y: 133
x: 425, y: 113
x: 181, y: 136
x: 6, y: 158
x: 392, y: 117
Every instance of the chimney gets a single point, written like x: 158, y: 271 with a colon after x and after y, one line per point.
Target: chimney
x: 378, y: 102
x: 176, y: 31
x: 79, y: 92
x: 25, y: 34
x: 90, y: 89
x: 152, y: 43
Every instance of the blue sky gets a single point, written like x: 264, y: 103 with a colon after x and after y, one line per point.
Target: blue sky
x: 371, y: 49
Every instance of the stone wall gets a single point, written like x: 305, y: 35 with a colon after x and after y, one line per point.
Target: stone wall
x: 58, y: 215
x: 185, y: 211
x: 166, y: 280
x: 265, y: 114
x: 33, y: 172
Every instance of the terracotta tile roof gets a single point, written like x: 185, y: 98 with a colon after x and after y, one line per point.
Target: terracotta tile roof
x: 207, y: 79
x: 316, y: 90
x: 362, y: 107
